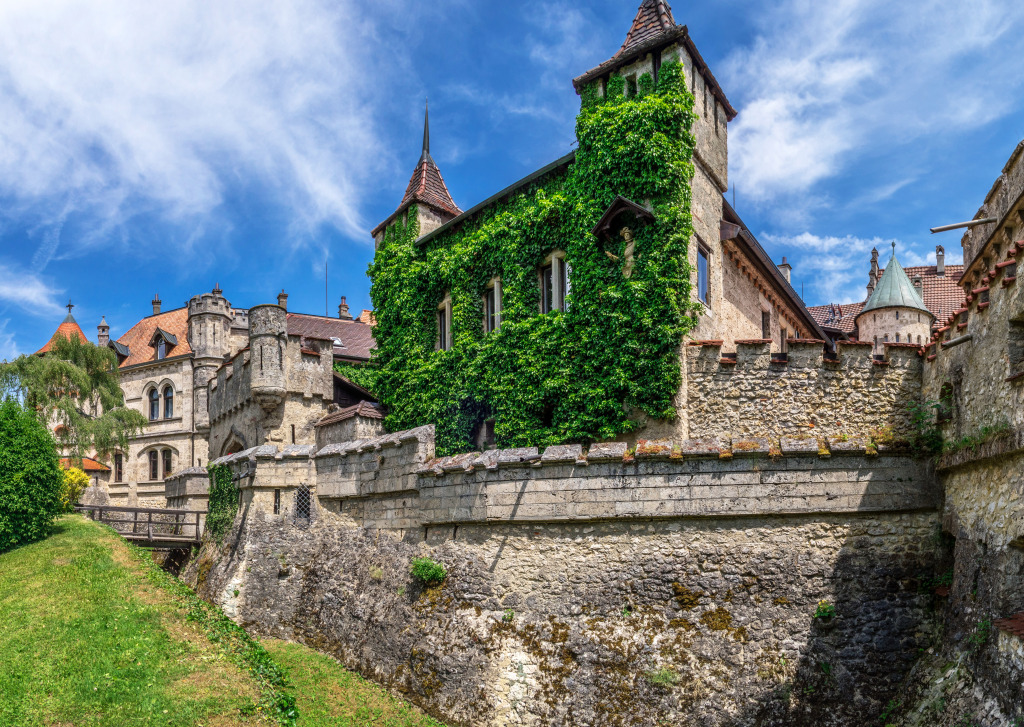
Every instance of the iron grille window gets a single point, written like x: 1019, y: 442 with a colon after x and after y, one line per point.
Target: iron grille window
x: 303, y: 503
x: 277, y: 502
x: 154, y: 466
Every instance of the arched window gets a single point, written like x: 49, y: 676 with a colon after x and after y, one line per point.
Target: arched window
x: 168, y: 402
x: 154, y: 404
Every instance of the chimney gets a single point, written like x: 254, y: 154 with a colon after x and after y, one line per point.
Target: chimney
x: 786, y: 269
x: 940, y: 261
x: 918, y: 284
x: 343, y: 313
x: 156, y: 304
x: 103, y: 333
x: 282, y: 299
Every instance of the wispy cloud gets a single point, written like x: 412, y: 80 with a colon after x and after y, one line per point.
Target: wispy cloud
x: 824, y: 82
x: 8, y: 347
x: 116, y: 109
x: 28, y: 292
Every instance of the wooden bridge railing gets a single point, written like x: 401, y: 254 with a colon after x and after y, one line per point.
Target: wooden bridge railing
x: 148, y: 526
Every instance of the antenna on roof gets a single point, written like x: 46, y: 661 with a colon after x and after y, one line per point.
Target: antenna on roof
x: 327, y: 304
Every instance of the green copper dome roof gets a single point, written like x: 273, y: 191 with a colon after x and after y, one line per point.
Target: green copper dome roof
x: 895, y: 290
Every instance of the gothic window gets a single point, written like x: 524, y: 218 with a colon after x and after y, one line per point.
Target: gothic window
x: 702, y: 274
x: 154, y: 404
x: 444, y: 324
x: 154, y: 465
x: 492, y: 306
x: 168, y: 402
x: 554, y: 283
x: 167, y: 463
x: 118, y: 467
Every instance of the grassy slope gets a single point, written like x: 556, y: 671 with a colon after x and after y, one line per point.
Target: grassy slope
x: 331, y: 696
x: 87, y: 639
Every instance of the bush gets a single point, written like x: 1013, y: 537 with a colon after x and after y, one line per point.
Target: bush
x: 428, y: 570
x: 30, y: 478
x: 825, y: 610
x: 75, y: 483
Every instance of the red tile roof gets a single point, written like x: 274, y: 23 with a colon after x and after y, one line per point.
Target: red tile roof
x: 363, y: 409
x: 88, y: 465
x: 427, y: 186
x: 356, y: 338
x: 68, y: 329
x: 840, y: 316
x: 652, y: 18
x: 139, y: 336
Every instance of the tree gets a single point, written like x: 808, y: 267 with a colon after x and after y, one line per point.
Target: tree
x: 30, y: 477
x: 75, y: 390
x: 75, y: 482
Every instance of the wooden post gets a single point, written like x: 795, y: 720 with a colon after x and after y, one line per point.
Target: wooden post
x: 149, y: 530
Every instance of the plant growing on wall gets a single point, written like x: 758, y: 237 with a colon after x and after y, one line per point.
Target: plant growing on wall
x: 581, y: 374
x: 223, y: 502
x: 428, y: 570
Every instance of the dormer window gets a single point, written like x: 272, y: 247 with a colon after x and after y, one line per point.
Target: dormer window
x: 161, y: 349
x: 492, y: 306
x: 554, y: 283
x: 444, y: 324
x: 163, y: 342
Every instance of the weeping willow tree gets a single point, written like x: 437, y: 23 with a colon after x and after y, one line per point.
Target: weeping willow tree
x: 75, y: 391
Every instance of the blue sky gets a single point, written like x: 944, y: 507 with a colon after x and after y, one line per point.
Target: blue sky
x: 162, y: 148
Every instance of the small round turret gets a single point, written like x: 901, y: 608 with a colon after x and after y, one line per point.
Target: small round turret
x: 268, y: 330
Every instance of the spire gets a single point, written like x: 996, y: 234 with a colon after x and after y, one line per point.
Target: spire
x: 895, y: 290
x: 652, y: 18
x: 426, y: 131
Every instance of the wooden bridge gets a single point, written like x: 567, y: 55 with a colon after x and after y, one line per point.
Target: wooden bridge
x: 149, y: 527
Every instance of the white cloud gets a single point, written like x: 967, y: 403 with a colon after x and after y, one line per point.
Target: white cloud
x: 28, y: 292
x: 825, y: 82
x: 8, y: 348
x: 114, y: 108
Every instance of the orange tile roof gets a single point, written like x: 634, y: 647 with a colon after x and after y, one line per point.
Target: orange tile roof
x: 138, y: 337
x: 88, y: 465
x: 653, y: 18
x: 69, y: 329
x: 356, y: 338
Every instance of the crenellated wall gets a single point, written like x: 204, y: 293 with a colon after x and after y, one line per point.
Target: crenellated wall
x: 750, y: 393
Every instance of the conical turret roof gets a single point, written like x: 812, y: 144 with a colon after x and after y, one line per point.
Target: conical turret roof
x: 895, y: 290
x: 68, y: 328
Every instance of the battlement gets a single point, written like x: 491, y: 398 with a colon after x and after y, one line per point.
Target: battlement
x: 752, y: 392
x: 209, y: 303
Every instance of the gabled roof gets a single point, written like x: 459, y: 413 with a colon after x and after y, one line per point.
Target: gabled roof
x: 161, y: 333
x: 88, y: 464
x: 352, y: 339
x: 69, y: 328
x: 139, y: 337
x: 894, y: 290
x: 362, y: 409
x: 426, y: 185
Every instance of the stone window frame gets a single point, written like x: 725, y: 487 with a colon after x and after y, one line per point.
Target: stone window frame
x: 153, y: 399
x: 118, y: 467
x: 492, y: 297
x: 1015, y: 345
x: 167, y: 462
x: 153, y: 460
x: 167, y: 396
x: 704, y: 251
x: 443, y: 337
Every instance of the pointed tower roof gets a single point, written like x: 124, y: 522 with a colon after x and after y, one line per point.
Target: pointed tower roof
x: 68, y: 328
x: 895, y: 290
x: 653, y: 18
x: 426, y: 186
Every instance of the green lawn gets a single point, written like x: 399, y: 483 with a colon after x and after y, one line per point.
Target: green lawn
x: 90, y: 635
x: 331, y: 696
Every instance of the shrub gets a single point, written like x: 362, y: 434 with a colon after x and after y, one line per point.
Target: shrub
x: 428, y: 570
x: 30, y: 478
x: 75, y: 482
x: 223, y: 502
x: 824, y: 610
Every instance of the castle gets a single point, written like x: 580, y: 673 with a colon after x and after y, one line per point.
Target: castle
x: 664, y: 491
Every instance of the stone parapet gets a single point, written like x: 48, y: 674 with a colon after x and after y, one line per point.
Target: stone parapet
x: 805, y: 394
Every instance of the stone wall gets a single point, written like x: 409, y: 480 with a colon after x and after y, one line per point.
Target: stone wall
x: 679, y: 621
x: 847, y: 399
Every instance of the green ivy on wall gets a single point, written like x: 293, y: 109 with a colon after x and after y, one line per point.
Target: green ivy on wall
x: 223, y: 502
x: 574, y: 376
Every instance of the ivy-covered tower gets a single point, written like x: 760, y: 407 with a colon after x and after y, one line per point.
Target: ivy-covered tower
x: 556, y: 311
x: 427, y: 194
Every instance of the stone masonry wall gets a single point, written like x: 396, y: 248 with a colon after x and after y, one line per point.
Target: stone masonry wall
x: 855, y: 396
